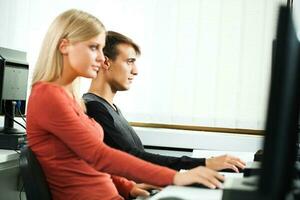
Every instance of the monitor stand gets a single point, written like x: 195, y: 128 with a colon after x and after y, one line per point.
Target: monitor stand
x: 12, y: 141
x: 10, y: 137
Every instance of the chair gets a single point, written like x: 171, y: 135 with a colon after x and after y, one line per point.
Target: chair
x: 35, y: 184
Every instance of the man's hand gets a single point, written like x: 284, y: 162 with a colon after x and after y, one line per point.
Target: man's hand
x: 225, y: 162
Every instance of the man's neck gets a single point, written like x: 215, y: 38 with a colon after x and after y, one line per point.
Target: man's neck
x: 104, y: 92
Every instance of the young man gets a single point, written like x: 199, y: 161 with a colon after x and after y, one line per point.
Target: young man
x: 115, y: 75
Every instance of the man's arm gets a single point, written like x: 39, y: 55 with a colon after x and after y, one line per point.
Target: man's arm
x: 121, y: 138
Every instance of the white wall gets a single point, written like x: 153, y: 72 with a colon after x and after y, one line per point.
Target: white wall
x: 217, y: 51
x: 199, y: 140
x: 203, y: 62
x: 296, y: 13
x: 190, y: 139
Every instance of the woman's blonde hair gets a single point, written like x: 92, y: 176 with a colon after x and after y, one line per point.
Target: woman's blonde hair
x: 74, y: 25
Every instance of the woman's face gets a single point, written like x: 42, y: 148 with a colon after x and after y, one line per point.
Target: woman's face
x: 85, y: 58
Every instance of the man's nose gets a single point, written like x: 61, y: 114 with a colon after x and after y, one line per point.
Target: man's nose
x: 134, y: 70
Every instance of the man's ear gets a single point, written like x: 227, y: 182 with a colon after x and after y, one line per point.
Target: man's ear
x: 63, y: 46
x: 106, y: 63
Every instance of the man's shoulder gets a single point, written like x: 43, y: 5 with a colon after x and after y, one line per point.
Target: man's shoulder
x: 93, y: 100
x: 88, y: 97
x: 95, y: 105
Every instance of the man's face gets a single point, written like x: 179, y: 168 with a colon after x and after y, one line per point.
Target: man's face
x: 123, y: 69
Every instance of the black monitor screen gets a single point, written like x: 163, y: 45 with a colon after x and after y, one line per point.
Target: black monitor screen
x: 14, y: 82
x: 282, y: 115
x: 13, y: 86
x: 13, y: 79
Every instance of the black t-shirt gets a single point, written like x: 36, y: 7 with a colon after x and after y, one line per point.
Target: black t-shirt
x: 120, y: 135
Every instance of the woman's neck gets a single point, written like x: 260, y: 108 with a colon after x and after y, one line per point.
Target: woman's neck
x: 66, y: 79
x: 67, y: 85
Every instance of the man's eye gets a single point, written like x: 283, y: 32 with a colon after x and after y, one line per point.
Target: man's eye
x: 94, y: 47
x: 130, y: 61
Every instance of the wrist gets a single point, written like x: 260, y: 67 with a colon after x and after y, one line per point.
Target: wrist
x: 175, y: 178
x: 130, y: 189
x: 179, y: 178
x: 207, y: 162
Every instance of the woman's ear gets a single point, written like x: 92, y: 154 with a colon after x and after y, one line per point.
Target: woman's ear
x: 106, y: 63
x: 63, y: 46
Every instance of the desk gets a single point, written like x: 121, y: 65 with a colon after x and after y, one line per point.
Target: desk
x: 8, y: 155
x: 189, y: 193
x: 245, y: 156
x: 9, y: 175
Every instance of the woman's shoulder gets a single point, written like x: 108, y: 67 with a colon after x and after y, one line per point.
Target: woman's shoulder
x: 47, y: 91
x: 41, y: 85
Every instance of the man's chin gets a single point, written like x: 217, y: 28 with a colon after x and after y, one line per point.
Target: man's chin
x: 124, y: 88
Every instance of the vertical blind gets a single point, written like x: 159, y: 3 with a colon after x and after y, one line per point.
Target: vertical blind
x: 203, y: 62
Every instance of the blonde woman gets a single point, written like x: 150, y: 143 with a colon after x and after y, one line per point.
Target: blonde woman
x: 68, y: 144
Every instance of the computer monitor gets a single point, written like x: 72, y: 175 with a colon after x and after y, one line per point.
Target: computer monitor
x: 283, y: 112
x: 281, y: 130
x: 13, y: 93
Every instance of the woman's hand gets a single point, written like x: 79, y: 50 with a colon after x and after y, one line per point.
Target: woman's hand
x: 142, y: 190
x: 225, y: 162
x: 202, y: 175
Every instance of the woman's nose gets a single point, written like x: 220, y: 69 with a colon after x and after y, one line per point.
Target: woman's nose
x: 100, y: 57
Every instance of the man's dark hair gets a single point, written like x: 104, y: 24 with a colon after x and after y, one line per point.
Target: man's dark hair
x: 113, y: 39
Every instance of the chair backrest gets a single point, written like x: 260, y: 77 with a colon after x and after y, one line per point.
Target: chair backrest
x: 35, y: 184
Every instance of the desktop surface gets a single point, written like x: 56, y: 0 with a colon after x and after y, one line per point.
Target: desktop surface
x: 9, y: 176
x: 245, y: 156
x: 196, y: 193
x: 188, y: 193
x: 8, y: 155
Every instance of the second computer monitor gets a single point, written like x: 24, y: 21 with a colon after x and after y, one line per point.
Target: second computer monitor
x: 281, y: 130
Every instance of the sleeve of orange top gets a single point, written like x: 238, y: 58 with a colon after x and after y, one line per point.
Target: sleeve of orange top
x: 123, y: 185
x: 54, y: 112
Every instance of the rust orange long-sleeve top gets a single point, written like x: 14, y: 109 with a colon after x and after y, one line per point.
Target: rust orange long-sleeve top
x: 73, y: 156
